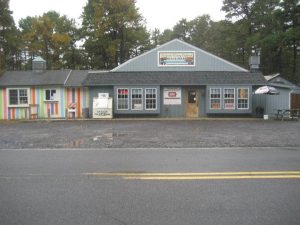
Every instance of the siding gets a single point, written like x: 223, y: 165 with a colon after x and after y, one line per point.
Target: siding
x: 46, y: 109
x: 272, y: 102
x: 204, y: 61
x: 80, y: 96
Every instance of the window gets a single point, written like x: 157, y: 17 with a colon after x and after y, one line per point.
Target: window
x: 243, y: 98
x: 123, y: 98
x: 50, y: 95
x: 192, y: 96
x: 215, y: 98
x: 229, y: 98
x: 151, y: 95
x: 136, y: 99
x: 18, y: 97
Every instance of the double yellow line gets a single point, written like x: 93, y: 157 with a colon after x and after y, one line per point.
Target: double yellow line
x: 199, y: 176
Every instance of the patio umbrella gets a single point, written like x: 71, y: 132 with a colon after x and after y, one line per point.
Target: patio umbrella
x: 268, y: 90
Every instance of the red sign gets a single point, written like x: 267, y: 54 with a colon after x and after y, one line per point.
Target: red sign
x: 172, y: 94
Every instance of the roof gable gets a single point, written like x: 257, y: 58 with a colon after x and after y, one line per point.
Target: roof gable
x: 279, y: 81
x: 203, y: 61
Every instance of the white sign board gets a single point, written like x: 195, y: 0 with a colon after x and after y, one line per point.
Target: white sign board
x: 102, y: 106
x: 102, y: 113
x: 172, y: 96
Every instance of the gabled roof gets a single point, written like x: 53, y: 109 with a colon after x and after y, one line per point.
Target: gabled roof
x: 278, y: 81
x: 174, y: 78
x: 69, y: 78
x: 38, y: 59
x: 29, y: 78
x: 205, y: 61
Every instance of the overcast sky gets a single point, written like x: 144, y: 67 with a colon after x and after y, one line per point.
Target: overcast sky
x: 160, y: 14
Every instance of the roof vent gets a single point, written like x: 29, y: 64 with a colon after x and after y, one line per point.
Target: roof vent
x: 254, y: 62
x: 38, y: 65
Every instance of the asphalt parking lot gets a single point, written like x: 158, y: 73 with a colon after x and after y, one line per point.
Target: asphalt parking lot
x: 149, y: 134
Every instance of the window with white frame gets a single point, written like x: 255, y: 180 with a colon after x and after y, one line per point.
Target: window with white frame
x: 137, y: 99
x: 151, y: 98
x: 18, y: 97
x: 123, y: 98
x: 50, y: 95
x: 229, y: 98
x: 243, y: 98
x: 215, y: 98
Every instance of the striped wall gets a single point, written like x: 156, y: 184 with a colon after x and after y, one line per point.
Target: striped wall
x: 80, y: 96
x: 46, y: 109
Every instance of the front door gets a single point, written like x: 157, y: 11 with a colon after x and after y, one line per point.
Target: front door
x: 295, y: 101
x: 192, y: 102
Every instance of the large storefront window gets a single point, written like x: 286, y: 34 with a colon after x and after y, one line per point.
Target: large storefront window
x: 123, y: 98
x: 18, y: 97
x: 243, y: 98
x: 151, y: 98
x: 229, y: 98
x: 137, y: 99
x: 215, y: 98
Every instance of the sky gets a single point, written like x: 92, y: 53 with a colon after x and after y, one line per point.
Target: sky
x: 161, y: 14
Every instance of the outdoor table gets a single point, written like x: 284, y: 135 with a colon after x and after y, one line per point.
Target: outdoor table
x: 287, y: 113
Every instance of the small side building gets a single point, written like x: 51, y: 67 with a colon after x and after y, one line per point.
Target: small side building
x: 288, y: 98
x: 42, y: 93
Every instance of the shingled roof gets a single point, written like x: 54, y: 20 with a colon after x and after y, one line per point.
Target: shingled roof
x: 69, y: 78
x: 174, y: 78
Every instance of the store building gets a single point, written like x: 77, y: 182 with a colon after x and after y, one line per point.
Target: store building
x: 176, y: 80
x: 173, y: 80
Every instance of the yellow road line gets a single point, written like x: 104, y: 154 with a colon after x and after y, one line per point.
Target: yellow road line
x: 193, y: 174
x: 200, y: 175
x: 211, y: 177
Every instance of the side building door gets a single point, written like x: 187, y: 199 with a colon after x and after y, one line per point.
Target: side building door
x: 295, y: 101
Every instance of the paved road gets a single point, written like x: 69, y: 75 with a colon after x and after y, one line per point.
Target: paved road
x: 91, y: 186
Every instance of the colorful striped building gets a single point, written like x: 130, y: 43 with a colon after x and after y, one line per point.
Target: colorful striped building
x: 42, y: 93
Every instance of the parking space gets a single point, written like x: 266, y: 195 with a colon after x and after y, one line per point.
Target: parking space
x: 149, y: 133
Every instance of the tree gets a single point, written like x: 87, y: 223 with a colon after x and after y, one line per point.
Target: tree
x: 256, y: 22
x: 199, y: 28
x: 290, y: 20
x: 8, y: 34
x: 113, y: 30
x: 52, y: 36
x: 165, y: 36
x: 182, y: 30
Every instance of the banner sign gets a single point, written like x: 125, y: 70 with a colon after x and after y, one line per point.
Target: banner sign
x: 172, y: 96
x: 178, y: 58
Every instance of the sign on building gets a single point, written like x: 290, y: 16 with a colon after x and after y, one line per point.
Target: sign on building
x: 176, y: 58
x: 172, y: 96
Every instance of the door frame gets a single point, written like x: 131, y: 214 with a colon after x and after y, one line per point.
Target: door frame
x: 192, y: 109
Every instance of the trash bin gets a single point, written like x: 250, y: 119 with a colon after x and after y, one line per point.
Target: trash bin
x: 86, y: 113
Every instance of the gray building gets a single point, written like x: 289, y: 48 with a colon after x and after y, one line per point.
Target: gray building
x: 287, y: 99
x: 176, y: 80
